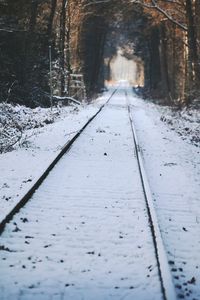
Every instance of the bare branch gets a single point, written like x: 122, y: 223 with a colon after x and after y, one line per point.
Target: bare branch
x: 154, y: 5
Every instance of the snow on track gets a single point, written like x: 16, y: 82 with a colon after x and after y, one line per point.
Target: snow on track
x: 22, y: 167
x: 173, y: 170
x: 163, y: 265
x: 85, y: 233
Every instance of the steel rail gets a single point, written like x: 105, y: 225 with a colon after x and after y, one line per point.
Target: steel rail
x: 167, y: 285
x: 39, y: 181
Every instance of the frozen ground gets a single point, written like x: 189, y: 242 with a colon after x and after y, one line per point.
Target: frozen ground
x: 40, y: 144
x: 172, y: 162
x: 85, y: 234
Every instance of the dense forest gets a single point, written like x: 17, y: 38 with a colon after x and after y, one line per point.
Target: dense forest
x: 81, y: 36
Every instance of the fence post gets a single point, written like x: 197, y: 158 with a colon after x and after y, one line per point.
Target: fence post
x: 50, y: 74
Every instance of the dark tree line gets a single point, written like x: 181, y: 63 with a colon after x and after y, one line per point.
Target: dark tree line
x: 27, y: 29
x: 174, y: 37
x: 165, y: 35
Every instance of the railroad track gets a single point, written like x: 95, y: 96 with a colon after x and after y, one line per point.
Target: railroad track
x: 64, y: 150
x: 161, y: 257
x: 165, y: 277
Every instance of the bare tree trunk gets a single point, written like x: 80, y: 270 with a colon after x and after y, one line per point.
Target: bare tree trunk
x: 33, y: 17
x: 154, y: 61
x: 29, y: 41
x: 197, y: 26
x: 192, y: 42
x: 62, y: 46
x: 68, y: 56
x: 51, y: 18
x: 164, y: 63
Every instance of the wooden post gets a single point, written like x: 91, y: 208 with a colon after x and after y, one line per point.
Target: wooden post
x: 50, y: 74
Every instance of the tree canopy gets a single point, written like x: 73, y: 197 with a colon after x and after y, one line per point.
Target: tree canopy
x: 165, y: 35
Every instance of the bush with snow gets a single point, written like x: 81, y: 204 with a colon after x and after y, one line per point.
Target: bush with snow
x: 17, y: 121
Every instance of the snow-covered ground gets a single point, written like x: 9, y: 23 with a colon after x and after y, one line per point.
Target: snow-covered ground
x: 85, y: 233
x: 102, y: 212
x: 44, y: 133
x: 172, y: 163
x: 186, y: 123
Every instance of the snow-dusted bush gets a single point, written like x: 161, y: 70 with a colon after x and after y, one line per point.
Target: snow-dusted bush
x: 15, y: 121
x: 185, y: 122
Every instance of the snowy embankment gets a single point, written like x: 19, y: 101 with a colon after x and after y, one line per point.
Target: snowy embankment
x: 171, y: 154
x: 185, y: 122
x: 34, y: 138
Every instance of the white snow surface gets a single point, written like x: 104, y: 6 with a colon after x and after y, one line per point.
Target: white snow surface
x: 85, y: 234
x: 21, y: 167
x: 185, y: 122
x: 173, y: 168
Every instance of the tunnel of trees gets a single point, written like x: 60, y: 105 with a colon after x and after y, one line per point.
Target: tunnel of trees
x: 161, y: 37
